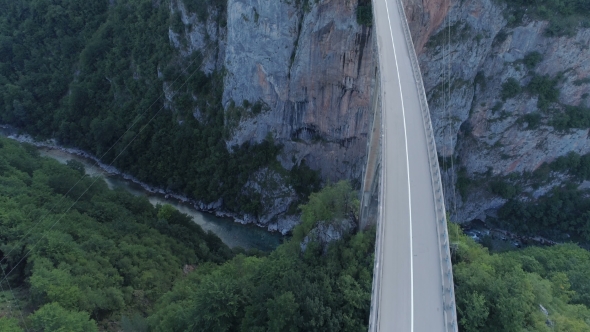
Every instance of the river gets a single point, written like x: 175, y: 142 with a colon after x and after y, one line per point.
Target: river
x: 231, y: 233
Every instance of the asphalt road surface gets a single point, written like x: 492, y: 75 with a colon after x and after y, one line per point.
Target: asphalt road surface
x: 409, y: 287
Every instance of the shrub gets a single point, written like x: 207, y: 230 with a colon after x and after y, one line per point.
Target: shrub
x: 582, y: 81
x: 546, y: 88
x: 572, y: 117
x: 503, y: 189
x: 532, y: 119
x: 500, y: 37
x: 564, y: 16
x: 463, y: 183
x: 532, y: 59
x: 480, y: 79
x: 497, y: 107
x: 511, y: 88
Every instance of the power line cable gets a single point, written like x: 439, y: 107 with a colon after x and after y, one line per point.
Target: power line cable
x: 445, y: 108
x: 444, y: 95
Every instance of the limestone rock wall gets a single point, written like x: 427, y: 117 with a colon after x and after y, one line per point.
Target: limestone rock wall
x: 311, y: 68
x: 473, y: 123
x: 302, y: 71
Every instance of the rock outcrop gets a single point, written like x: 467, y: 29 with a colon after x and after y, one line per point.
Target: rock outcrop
x: 326, y: 232
x: 199, y: 35
x: 275, y: 197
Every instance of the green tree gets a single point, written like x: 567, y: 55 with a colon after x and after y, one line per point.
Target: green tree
x: 284, y: 291
x: 109, y: 253
x: 505, y: 292
x: 333, y: 202
x: 364, y: 14
x: 166, y: 211
x: 53, y: 318
x: 9, y: 325
x: 532, y: 59
x: 546, y: 90
x: 474, y: 312
x: 282, y: 313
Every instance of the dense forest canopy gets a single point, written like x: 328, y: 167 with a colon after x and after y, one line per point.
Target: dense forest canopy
x: 114, y: 262
x: 324, y: 287
x: 95, y: 253
x: 534, y: 289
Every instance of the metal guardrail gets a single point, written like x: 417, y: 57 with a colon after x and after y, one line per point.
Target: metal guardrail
x: 441, y: 222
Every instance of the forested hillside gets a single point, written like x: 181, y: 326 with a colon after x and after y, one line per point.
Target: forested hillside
x: 106, y: 73
x: 93, y: 75
x: 323, y: 286
x: 533, y: 289
x: 107, y: 262
x: 114, y: 262
x: 87, y: 252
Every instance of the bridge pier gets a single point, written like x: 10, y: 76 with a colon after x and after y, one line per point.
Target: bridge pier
x: 371, y: 175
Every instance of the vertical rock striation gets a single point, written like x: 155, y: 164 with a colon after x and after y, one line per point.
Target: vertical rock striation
x: 310, y: 66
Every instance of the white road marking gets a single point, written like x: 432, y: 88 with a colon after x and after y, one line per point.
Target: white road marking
x: 408, y: 167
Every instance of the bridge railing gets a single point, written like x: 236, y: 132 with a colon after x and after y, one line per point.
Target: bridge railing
x: 441, y: 222
x: 376, y: 134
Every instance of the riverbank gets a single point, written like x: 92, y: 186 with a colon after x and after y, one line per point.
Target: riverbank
x: 233, y: 231
x: 500, y: 239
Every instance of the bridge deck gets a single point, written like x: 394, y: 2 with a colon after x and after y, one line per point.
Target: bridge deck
x: 410, y: 294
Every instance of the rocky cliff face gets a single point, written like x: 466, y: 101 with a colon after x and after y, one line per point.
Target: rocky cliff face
x: 300, y: 71
x: 309, y: 66
x: 489, y: 135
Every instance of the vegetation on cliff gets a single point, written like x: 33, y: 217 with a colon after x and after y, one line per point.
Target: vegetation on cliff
x: 564, y: 16
x: 559, y: 213
x: 364, y: 13
x: 94, y: 75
